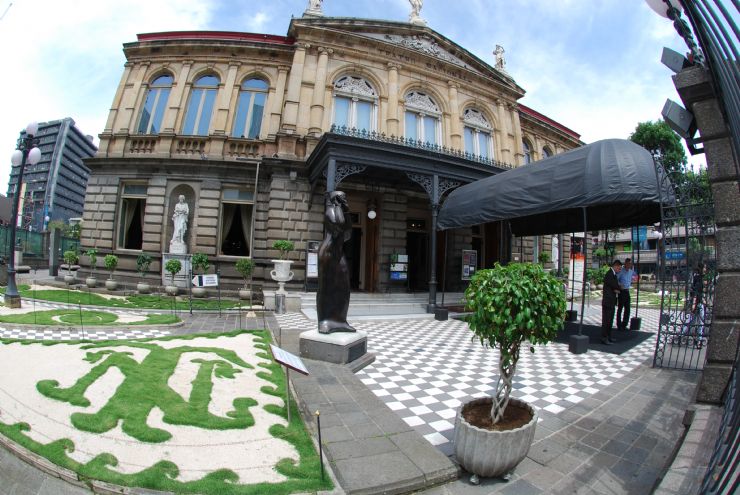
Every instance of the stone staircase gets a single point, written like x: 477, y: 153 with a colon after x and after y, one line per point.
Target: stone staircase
x: 363, y: 306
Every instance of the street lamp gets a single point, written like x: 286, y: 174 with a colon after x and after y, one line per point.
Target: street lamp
x: 26, y: 152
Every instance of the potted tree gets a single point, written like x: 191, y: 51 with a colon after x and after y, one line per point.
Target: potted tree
x: 281, y: 273
x: 172, y: 267
x: 513, y: 305
x: 200, y: 266
x: 245, y: 266
x: 143, y: 261
x: 111, y: 262
x: 70, y: 258
x: 91, y: 281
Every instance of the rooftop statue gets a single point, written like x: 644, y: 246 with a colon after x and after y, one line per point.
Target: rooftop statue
x: 414, y: 17
x: 500, y: 60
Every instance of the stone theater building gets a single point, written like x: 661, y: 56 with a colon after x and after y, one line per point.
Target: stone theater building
x: 253, y: 129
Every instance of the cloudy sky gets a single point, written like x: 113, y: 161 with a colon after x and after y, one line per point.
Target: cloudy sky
x: 593, y: 66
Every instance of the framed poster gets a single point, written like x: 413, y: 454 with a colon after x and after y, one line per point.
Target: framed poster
x: 469, y: 263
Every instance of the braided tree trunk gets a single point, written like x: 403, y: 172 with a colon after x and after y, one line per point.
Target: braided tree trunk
x: 506, y: 368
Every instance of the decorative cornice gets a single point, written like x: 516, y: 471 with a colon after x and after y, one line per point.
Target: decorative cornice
x: 355, y: 85
x: 420, y: 101
x: 476, y: 118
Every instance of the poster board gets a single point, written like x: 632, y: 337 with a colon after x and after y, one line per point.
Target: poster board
x: 399, y: 268
x: 469, y: 263
x: 575, y: 276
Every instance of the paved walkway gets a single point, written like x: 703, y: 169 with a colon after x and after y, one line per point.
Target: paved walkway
x: 612, y: 428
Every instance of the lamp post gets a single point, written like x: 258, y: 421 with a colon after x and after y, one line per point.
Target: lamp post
x: 26, y: 152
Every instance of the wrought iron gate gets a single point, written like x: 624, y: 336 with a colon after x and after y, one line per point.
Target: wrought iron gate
x: 687, y: 272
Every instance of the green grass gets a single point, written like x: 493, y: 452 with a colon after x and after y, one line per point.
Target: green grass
x: 69, y: 296
x: 75, y: 317
x: 145, y: 387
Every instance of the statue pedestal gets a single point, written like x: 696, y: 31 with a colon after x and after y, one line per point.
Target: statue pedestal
x: 339, y: 348
x: 177, y: 247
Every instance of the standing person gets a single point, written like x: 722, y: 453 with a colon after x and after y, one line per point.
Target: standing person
x: 609, y: 302
x: 624, y: 277
x: 697, y: 304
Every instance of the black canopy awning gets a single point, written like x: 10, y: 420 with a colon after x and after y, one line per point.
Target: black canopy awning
x: 615, y: 180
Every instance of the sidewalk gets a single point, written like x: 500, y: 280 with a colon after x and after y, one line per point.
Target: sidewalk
x: 616, y: 439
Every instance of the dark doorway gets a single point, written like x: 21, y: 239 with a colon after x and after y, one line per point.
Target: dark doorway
x: 235, y: 243
x: 352, y: 250
x: 134, y: 235
x: 416, y: 247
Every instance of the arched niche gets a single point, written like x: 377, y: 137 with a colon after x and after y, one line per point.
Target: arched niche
x: 172, y: 200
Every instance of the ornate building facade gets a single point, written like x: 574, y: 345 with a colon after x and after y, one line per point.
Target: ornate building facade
x: 253, y: 130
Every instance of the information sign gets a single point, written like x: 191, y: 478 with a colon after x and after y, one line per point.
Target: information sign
x: 287, y: 359
x: 210, y: 280
x: 469, y: 263
x: 399, y: 267
x: 312, y: 259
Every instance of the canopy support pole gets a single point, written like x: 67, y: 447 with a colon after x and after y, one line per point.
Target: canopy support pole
x: 585, y: 264
x: 433, y: 241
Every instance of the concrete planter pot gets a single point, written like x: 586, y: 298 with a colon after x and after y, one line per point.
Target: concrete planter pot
x: 492, y: 453
x: 91, y: 282
x: 70, y: 279
x: 171, y: 290
x: 281, y: 274
x: 245, y: 294
x: 111, y: 284
x: 199, y: 291
x: 143, y: 288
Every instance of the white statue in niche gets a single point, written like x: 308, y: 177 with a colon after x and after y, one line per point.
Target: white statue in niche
x: 556, y: 250
x: 414, y: 17
x: 500, y: 60
x: 180, y: 222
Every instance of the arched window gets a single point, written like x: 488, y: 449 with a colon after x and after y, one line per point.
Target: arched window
x: 355, y: 103
x: 527, y: 152
x: 477, y: 132
x: 150, y: 121
x: 250, y: 108
x: 546, y: 152
x: 422, y: 119
x: 200, y: 107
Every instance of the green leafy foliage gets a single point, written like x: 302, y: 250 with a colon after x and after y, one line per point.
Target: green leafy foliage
x: 663, y: 143
x: 111, y: 262
x: 544, y: 257
x: 142, y: 263
x: 71, y: 257
x: 284, y: 246
x: 245, y: 267
x: 200, y: 262
x: 510, y: 305
x: 93, y: 255
x: 173, y: 267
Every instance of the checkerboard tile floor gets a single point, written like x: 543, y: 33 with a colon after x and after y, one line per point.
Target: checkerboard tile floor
x: 425, y: 368
x: 78, y: 334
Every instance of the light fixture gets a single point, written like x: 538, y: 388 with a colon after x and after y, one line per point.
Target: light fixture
x: 371, y: 214
x: 679, y: 119
x: 660, y: 7
x: 26, y: 152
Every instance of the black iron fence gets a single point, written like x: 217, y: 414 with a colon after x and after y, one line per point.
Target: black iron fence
x: 33, y: 246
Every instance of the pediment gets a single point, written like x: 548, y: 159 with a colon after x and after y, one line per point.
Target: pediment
x: 406, y: 36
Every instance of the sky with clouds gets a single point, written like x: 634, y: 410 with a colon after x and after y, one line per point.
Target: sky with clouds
x: 594, y: 66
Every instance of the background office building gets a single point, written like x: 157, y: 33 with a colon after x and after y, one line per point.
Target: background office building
x: 54, y: 187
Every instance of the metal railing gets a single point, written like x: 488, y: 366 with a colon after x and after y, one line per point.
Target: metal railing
x: 417, y: 144
x: 714, y: 23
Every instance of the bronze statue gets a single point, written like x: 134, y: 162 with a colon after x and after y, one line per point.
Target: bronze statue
x: 332, y: 299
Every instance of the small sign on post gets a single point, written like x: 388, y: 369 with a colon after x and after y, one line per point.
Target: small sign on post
x: 291, y: 362
x: 205, y: 280
x: 469, y: 263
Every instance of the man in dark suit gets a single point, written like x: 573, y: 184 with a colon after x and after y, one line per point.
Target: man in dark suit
x: 609, y: 302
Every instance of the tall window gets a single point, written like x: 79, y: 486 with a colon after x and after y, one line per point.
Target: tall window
x: 546, y: 152
x: 200, y: 107
x: 477, y: 132
x: 237, y: 206
x: 422, y: 118
x: 131, y: 218
x: 250, y: 108
x: 355, y: 103
x: 527, y: 152
x: 155, y: 104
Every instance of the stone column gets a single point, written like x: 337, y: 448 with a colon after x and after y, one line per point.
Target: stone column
x: 392, y: 113
x: 504, y: 141
x: 224, y: 100
x: 128, y: 107
x: 694, y: 85
x: 276, y: 100
x: 319, y: 92
x: 110, y: 123
x: 290, y: 113
x: 514, y: 112
x: 455, y: 130
x: 177, y: 99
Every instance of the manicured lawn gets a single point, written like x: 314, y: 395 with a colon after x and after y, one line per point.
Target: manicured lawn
x: 146, y: 366
x: 84, y: 317
x: 69, y: 296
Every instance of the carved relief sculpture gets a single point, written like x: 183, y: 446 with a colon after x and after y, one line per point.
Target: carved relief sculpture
x: 332, y: 299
